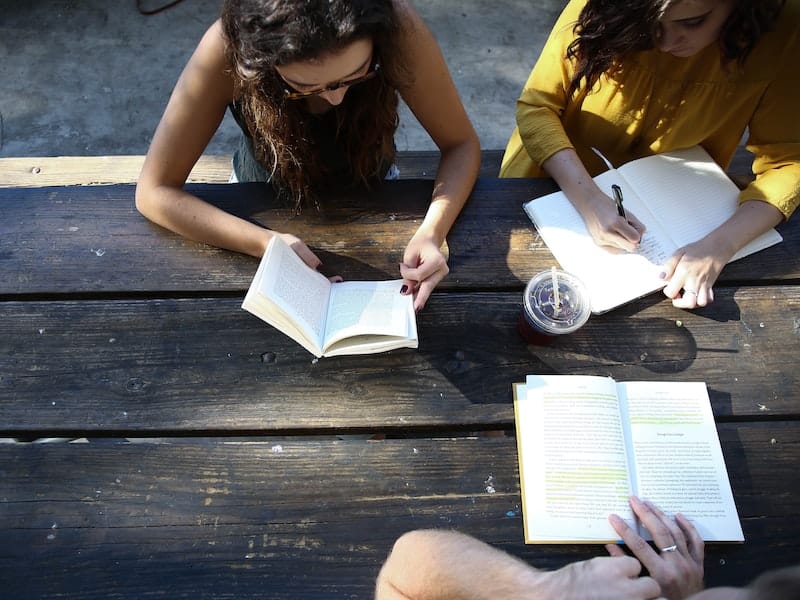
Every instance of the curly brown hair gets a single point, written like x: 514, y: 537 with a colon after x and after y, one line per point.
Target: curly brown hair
x: 263, y: 34
x: 607, y: 31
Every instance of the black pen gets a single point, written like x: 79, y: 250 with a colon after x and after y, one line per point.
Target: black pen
x: 618, y: 199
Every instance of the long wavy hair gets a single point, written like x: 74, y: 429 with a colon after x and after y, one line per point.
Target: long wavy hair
x: 263, y: 34
x: 608, y: 30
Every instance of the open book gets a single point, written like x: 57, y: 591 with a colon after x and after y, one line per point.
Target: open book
x: 680, y: 196
x: 587, y: 443
x: 329, y: 319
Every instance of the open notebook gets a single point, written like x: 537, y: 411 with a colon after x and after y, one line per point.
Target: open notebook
x: 680, y: 196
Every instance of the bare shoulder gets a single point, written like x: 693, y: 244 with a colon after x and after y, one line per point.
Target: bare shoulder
x: 209, y: 67
x: 213, y: 45
x: 411, y: 23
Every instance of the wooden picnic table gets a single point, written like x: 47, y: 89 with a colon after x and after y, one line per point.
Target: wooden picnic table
x: 206, y: 460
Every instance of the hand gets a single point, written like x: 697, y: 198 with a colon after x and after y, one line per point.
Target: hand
x: 694, y: 269
x: 305, y: 253
x: 608, y: 228
x: 423, y: 267
x: 679, y: 572
x: 598, y: 578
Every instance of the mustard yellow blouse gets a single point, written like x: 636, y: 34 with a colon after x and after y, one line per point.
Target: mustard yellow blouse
x: 661, y: 103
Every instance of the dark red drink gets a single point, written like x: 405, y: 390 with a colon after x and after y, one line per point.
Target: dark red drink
x: 555, y: 303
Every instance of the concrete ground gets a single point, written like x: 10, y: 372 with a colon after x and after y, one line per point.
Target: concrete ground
x: 92, y: 77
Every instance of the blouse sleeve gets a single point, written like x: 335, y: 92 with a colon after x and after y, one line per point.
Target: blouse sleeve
x: 774, y: 134
x: 543, y: 99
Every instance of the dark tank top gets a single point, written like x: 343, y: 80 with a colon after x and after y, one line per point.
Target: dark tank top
x: 323, y: 130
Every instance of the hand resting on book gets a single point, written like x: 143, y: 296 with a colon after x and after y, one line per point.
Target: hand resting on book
x: 693, y: 269
x: 423, y: 267
x: 676, y: 563
x: 427, y: 564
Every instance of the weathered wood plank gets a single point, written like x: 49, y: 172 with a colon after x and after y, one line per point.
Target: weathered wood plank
x: 43, y: 171
x: 206, y: 365
x: 190, y: 519
x: 92, y: 239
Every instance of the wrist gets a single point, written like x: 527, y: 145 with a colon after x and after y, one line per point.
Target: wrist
x: 429, y: 231
x: 545, y: 585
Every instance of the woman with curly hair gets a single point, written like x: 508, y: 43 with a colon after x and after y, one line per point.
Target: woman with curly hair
x: 643, y: 77
x: 314, y: 86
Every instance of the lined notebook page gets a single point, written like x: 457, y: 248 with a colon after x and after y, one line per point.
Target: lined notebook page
x: 611, y: 278
x: 689, y: 194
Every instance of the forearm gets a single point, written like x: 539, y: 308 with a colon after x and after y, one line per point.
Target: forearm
x: 751, y: 219
x: 458, y: 169
x: 566, y: 168
x: 195, y: 219
x: 433, y: 565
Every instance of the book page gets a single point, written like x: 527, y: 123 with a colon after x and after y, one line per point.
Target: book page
x: 612, y: 278
x: 573, y: 464
x: 689, y: 194
x: 368, y: 307
x: 290, y: 295
x: 678, y: 462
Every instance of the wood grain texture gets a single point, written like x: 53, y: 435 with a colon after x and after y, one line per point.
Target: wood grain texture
x: 45, y: 171
x: 310, y: 519
x: 113, y: 328
x: 92, y: 240
x: 205, y: 365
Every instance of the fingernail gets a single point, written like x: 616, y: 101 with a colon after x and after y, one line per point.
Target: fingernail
x: 404, y: 289
x: 662, y: 275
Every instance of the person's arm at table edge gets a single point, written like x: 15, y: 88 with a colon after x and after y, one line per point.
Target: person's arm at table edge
x: 434, y: 100
x: 193, y: 114
x: 443, y: 564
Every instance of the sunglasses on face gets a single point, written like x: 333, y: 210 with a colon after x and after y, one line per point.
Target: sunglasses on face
x: 292, y: 94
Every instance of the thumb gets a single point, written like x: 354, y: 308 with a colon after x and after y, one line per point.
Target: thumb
x: 615, y: 550
x: 669, y: 266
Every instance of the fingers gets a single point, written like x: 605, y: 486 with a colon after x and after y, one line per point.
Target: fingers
x: 690, y: 273
x: 625, y: 565
x: 614, y: 550
x: 423, y: 293
x: 677, y: 562
x: 636, y: 224
x: 694, y: 541
x: 625, y: 577
x: 640, y: 548
x: 666, y: 532
x: 303, y: 251
x: 423, y: 279
x: 625, y: 234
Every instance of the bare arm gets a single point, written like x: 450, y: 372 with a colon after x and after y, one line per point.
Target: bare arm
x: 439, y: 564
x: 192, y: 116
x: 434, y: 100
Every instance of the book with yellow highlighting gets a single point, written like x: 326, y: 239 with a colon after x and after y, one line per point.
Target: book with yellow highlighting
x: 586, y: 444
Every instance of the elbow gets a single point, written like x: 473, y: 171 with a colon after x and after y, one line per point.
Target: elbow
x: 404, y: 572
x: 466, y: 152
x: 144, y: 200
x: 140, y: 199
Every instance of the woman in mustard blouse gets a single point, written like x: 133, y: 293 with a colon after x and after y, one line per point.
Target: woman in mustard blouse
x: 650, y: 76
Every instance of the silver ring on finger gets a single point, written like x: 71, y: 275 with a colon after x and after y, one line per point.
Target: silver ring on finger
x: 673, y: 548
